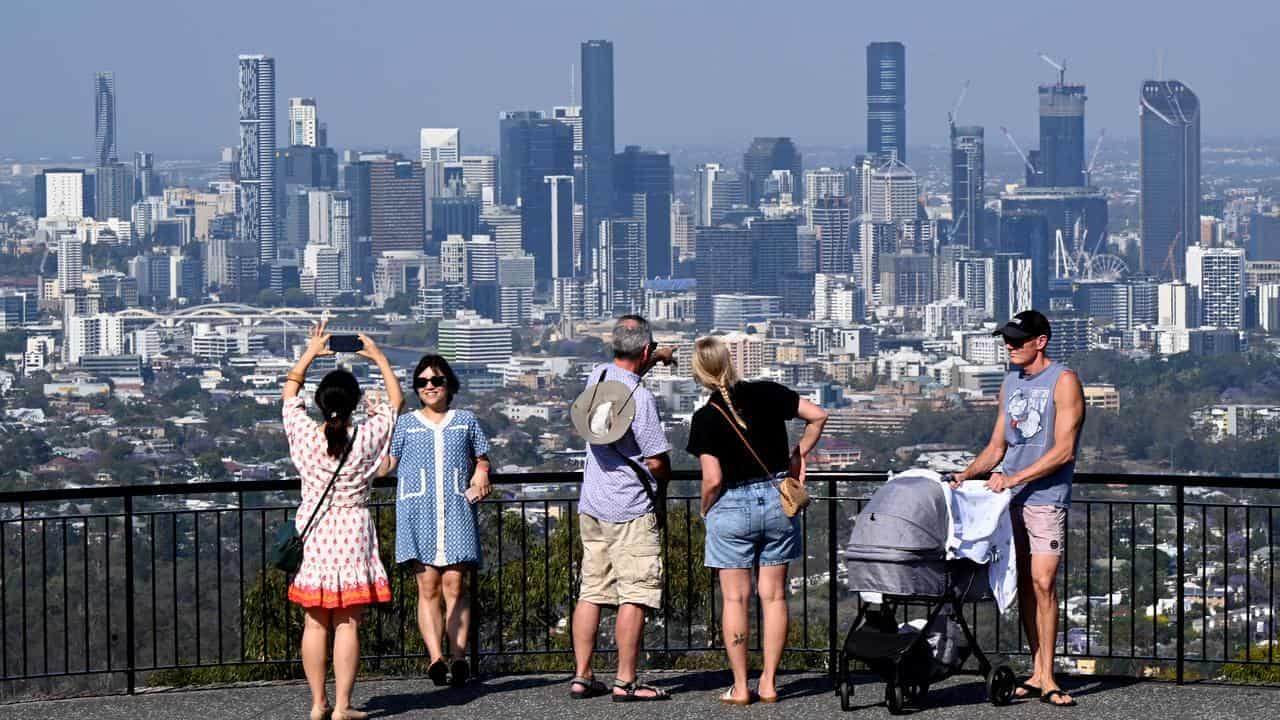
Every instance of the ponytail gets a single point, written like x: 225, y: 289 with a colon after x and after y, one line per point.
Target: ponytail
x: 336, y: 397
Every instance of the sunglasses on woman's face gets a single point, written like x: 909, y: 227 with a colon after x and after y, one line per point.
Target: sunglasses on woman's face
x: 436, y: 381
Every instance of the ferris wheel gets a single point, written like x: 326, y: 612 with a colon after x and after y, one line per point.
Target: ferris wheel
x: 1106, y: 267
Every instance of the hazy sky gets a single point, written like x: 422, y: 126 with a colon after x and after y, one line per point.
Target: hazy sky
x: 686, y: 72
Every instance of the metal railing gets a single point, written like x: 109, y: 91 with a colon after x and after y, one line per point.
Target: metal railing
x: 102, y: 588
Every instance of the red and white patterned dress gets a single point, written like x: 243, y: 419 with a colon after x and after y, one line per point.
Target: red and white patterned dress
x: 340, y: 564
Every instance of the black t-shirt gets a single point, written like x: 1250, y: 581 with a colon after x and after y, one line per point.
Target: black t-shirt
x: 765, y: 407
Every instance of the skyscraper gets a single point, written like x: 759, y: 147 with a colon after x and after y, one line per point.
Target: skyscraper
x: 397, y: 219
x: 113, y: 191
x: 765, y: 155
x: 571, y: 115
x: 723, y: 265
x: 481, y: 173
x: 304, y: 127
x: 513, y: 145
x: 967, y: 178
x: 104, y: 118
x: 825, y: 183
x: 1061, y: 158
x: 597, y: 133
x: 1218, y: 274
x: 887, y: 100
x: 146, y: 182
x: 830, y: 217
x: 439, y: 145
x: 1169, y: 127
x: 715, y: 192
x: 548, y: 151
x: 257, y: 216
x: 648, y: 173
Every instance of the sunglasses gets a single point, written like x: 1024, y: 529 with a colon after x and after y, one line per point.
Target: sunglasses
x: 436, y: 381
x: 1019, y: 343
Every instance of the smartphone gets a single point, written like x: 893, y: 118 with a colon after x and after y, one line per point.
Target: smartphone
x: 473, y: 495
x: 345, y: 343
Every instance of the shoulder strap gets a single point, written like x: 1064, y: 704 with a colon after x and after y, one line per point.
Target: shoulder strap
x: 741, y: 437
x: 320, y: 503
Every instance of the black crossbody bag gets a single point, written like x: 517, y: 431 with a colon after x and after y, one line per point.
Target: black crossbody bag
x: 286, y: 551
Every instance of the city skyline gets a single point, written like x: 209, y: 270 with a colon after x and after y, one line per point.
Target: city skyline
x: 186, y: 116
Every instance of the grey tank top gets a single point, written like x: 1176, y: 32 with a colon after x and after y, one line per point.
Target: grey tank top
x: 1028, y: 432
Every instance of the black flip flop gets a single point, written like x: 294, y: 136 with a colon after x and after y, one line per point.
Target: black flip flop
x: 1032, y: 692
x: 593, y: 688
x: 459, y: 673
x: 1047, y: 699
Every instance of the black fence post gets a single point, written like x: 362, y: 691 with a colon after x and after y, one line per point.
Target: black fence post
x: 833, y: 592
x: 129, y: 590
x: 1180, y: 508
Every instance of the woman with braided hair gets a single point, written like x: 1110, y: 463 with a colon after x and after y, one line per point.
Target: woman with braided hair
x: 746, y: 525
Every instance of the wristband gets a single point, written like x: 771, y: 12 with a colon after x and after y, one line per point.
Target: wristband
x: 300, y: 379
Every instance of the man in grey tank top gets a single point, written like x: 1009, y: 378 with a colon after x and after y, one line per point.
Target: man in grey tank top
x: 1036, y: 436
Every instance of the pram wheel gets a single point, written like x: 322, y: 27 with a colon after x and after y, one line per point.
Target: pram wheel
x: 915, y: 694
x: 894, y: 697
x: 1000, y: 685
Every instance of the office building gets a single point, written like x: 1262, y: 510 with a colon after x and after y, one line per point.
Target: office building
x: 1080, y: 214
x: 113, y: 191
x: 18, y: 309
x: 321, y: 276
x: 762, y: 158
x: 1218, y: 276
x: 1269, y: 308
x: 480, y: 177
x: 1060, y: 160
x: 829, y: 216
x: 503, y: 225
x: 257, y: 214
x: 967, y: 178
x: 681, y: 232
x: 513, y: 148
x: 906, y: 279
x: 64, y: 193
x: 341, y: 239
x: 1071, y: 335
x: 397, y: 210
x: 1014, y: 285
x: 70, y: 263
x: 775, y: 252
x: 1179, y: 305
x: 104, y: 119
x: 647, y: 173
x: 619, y: 269
x: 825, y: 183
x: 716, y: 192
x: 304, y: 126
x: 723, y: 266
x: 1264, y: 237
x: 737, y: 310
x: 404, y: 272
x: 97, y: 334
x: 515, y: 289
x: 894, y: 194
x: 597, y: 135
x: 472, y: 341
x: 454, y: 215
x: 547, y: 170
x: 887, y: 101
x: 146, y: 181
x: 1169, y: 174
x: 307, y: 166
x: 439, y: 145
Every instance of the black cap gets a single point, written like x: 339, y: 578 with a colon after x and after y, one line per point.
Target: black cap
x: 1024, y: 325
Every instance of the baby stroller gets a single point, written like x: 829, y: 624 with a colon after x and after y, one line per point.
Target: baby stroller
x: 898, y: 550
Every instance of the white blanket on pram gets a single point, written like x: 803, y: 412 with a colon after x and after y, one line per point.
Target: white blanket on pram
x: 981, y: 531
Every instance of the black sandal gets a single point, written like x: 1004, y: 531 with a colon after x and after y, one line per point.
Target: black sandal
x: 592, y: 688
x: 438, y: 671
x: 634, y: 687
x: 1048, y: 697
x: 459, y: 673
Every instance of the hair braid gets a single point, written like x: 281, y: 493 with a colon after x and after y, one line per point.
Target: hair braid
x: 724, y: 393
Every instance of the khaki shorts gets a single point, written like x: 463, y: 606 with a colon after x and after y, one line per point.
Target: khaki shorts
x: 1039, y: 529
x: 621, y: 562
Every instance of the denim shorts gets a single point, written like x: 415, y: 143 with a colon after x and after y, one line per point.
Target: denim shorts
x: 747, y: 527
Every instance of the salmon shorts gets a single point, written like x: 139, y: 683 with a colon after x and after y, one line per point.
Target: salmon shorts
x: 1039, y: 529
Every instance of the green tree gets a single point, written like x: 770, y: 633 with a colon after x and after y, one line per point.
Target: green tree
x: 401, y: 304
x: 295, y: 297
x: 268, y: 298
x: 210, y: 464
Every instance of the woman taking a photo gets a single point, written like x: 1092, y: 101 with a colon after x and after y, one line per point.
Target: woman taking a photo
x: 746, y: 525
x: 441, y: 458
x: 340, y: 571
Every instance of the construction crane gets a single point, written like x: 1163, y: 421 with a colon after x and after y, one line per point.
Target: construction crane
x: 1008, y: 136
x: 955, y: 109
x: 1171, y: 262
x: 1060, y: 66
x: 1093, y: 159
